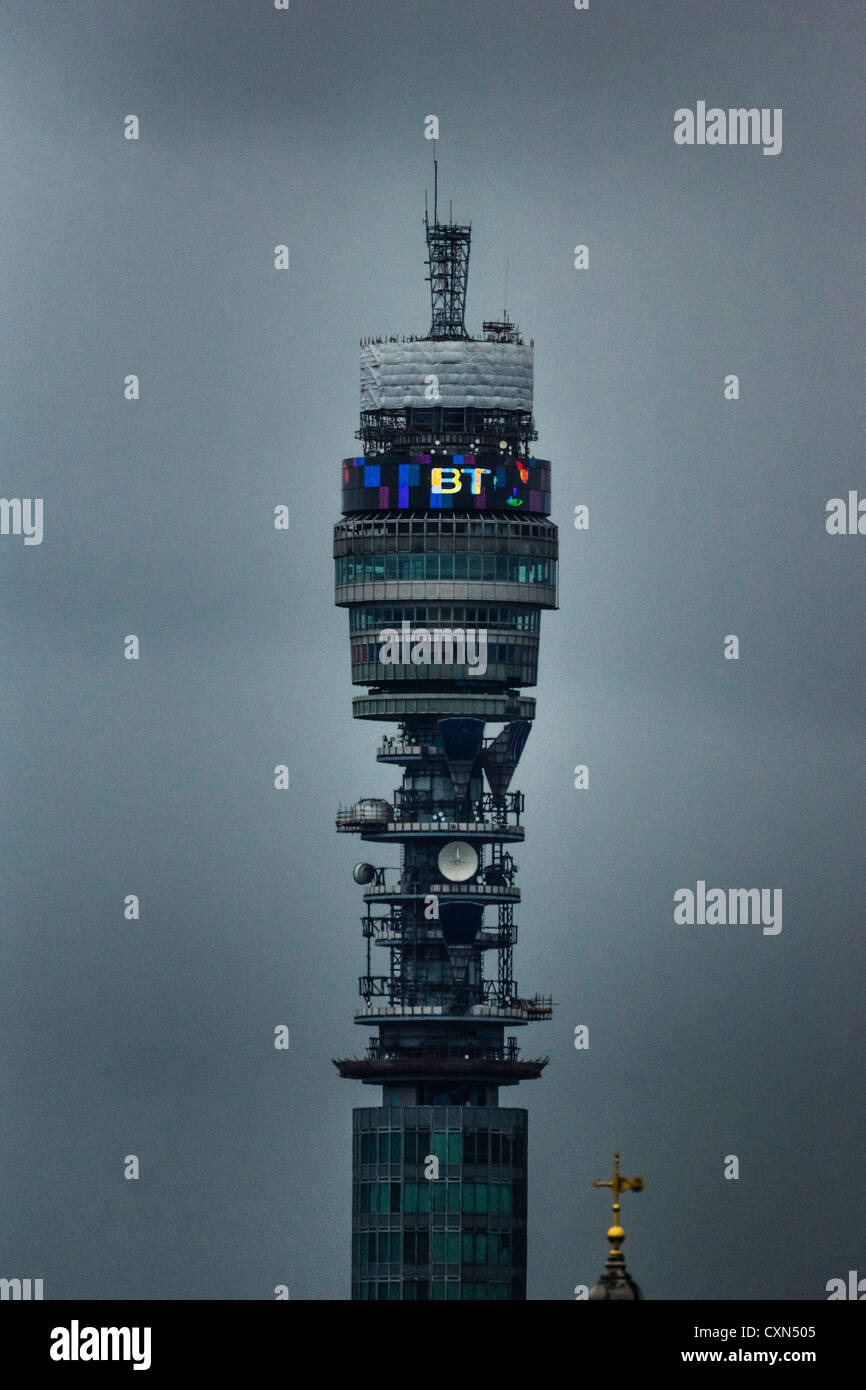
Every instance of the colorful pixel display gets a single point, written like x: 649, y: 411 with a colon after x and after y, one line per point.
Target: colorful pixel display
x: 454, y: 482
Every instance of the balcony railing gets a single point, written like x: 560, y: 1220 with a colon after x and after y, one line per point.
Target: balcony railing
x: 411, y: 805
x: 421, y: 426
x: 509, y: 1052
x: 413, y: 888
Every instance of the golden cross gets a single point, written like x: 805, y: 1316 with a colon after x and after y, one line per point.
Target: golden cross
x: 619, y: 1184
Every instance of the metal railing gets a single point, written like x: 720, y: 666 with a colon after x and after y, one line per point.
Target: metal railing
x: 509, y: 1052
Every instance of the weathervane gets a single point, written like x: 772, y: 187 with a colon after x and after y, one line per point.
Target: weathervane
x: 619, y: 1184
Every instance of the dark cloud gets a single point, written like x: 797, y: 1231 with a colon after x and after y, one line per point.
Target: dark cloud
x: 707, y: 518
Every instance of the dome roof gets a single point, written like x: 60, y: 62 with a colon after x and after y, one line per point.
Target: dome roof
x: 616, y: 1282
x: 373, y: 808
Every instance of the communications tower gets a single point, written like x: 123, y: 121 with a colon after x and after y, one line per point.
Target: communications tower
x: 445, y: 558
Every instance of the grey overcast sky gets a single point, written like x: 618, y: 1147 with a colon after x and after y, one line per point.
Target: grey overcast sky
x: 707, y: 518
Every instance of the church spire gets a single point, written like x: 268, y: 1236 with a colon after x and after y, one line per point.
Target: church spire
x: 616, y: 1282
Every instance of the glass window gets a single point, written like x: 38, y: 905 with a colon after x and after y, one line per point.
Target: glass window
x: 439, y: 1196
x: 439, y: 1288
x: 469, y: 1196
x: 446, y: 566
x: 481, y: 1248
x: 424, y: 1195
x: 454, y: 1148
x: 383, y: 1147
x: 410, y: 1196
x: 468, y: 1248
x: 440, y: 1142
x: 505, y: 1198
x: 453, y: 1289
x: 416, y: 1247
x: 453, y: 1196
x: 437, y: 1245
x: 395, y: 1195
x: 494, y: 1197
x: 411, y: 1146
x: 481, y: 1196
x: 452, y: 1247
x: 396, y: 1146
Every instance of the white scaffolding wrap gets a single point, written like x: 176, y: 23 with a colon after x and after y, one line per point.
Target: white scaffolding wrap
x: 495, y: 376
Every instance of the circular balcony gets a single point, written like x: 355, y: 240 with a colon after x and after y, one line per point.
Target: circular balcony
x: 454, y: 892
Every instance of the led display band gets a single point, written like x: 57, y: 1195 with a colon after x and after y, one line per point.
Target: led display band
x: 458, y: 482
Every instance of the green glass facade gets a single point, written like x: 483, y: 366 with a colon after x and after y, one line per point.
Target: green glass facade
x: 504, y: 569
x: 458, y: 1235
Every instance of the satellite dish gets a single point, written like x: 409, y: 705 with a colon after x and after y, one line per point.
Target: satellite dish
x: 363, y: 873
x: 457, y: 861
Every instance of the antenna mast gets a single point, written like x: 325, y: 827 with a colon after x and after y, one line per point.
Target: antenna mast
x: 448, y: 263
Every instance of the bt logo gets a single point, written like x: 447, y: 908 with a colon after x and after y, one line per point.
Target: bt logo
x: 448, y: 480
x: 455, y: 483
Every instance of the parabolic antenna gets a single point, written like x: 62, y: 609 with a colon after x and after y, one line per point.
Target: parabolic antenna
x: 363, y: 873
x: 457, y: 861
